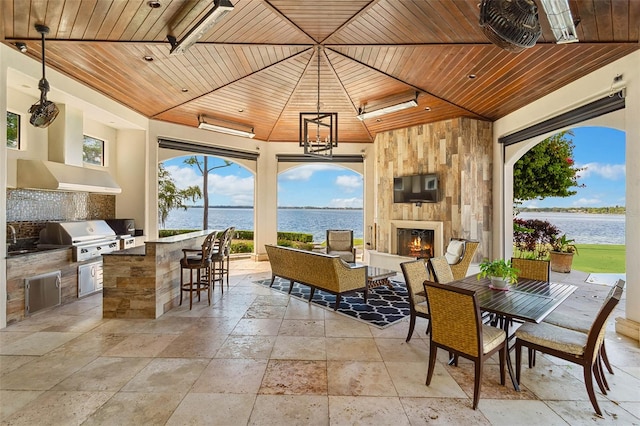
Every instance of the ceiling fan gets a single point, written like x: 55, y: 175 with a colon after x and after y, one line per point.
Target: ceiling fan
x: 43, y: 112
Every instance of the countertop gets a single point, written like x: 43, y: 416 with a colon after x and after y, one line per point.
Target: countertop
x: 181, y: 237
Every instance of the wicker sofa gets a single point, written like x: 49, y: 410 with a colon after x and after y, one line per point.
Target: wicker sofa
x: 317, y: 270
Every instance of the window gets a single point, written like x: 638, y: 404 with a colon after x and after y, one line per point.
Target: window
x: 13, y: 130
x: 93, y: 151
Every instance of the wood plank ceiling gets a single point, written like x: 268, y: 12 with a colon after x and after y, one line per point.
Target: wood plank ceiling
x: 258, y: 65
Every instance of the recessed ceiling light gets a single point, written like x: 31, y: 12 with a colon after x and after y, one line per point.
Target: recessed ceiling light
x: 240, y: 110
x: 148, y: 58
x: 154, y: 4
x: 185, y: 90
x: 378, y: 120
x: 21, y: 47
x: 472, y: 76
x: 427, y: 108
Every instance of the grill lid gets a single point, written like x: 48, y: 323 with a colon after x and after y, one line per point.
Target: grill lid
x: 73, y: 233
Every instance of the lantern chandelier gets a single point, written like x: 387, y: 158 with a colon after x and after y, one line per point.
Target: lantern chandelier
x: 319, y: 130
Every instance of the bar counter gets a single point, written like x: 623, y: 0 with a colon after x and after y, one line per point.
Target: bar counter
x: 144, y: 282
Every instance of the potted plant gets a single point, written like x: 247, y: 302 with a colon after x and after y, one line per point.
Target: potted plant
x: 561, y: 254
x: 499, y: 271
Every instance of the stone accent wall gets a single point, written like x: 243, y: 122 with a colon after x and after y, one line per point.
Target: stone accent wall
x: 460, y: 152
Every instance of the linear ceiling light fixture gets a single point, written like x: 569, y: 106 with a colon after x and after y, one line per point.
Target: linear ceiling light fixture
x: 224, y: 126
x: 393, y: 104
x: 562, y: 23
x: 219, y: 10
x: 319, y: 130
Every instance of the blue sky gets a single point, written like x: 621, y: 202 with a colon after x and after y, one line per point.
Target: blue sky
x: 599, y: 150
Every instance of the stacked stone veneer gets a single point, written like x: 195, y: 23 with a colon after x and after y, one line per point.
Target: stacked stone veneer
x: 460, y: 152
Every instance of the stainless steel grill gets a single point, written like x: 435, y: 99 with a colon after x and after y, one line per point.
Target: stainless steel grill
x: 88, y: 239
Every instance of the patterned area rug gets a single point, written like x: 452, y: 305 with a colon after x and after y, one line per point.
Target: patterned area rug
x: 384, y: 306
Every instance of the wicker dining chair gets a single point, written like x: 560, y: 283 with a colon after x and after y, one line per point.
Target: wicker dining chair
x: 202, y: 265
x: 532, y: 269
x: 456, y: 326
x: 570, y: 345
x: 460, y: 266
x: 441, y: 270
x: 415, y: 274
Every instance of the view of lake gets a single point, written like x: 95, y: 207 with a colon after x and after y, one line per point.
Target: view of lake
x: 310, y: 221
x: 584, y: 228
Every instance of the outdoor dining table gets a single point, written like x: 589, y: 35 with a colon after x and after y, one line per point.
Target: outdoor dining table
x: 528, y: 300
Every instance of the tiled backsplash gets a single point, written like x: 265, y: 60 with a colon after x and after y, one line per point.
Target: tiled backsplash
x: 28, y: 210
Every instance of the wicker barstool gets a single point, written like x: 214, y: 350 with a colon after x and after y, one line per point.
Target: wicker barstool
x: 202, y: 265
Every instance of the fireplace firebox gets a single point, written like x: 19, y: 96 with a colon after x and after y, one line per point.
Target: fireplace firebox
x: 416, y: 243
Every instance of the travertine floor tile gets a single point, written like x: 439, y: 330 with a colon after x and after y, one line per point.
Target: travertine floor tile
x: 167, y: 375
x: 359, y: 378
x: 442, y: 411
x: 104, y: 374
x: 284, y: 377
x: 409, y: 380
x: 265, y: 311
x: 298, y: 309
x: 194, y: 344
x: 257, y: 327
x: 136, y: 408
x: 12, y: 401
x: 44, y: 372
x: 581, y: 412
x: 301, y: 327
x: 37, y: 343
x: 509, y: 412
x: 59, y: 408
x: 213, y: 409
x: 363, y: 410
x: 141, y: 345
x: 296, y: 347
x: 9, y: 363
x: 345, y: 327
x: 399, y: 350
x: 231, y: 376
x: 255, y: 347
x: 354, y: 349
x: 290, y: 410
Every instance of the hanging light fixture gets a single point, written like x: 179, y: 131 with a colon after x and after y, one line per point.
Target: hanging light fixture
x: 319, y: 130
x: 43, y: 112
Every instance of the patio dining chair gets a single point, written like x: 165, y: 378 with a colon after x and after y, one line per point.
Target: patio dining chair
x: 459, y: 254
x: 581, y: 324
x: 456, y: 326
x: 415, y: 274
x: 441, y: 270
x: 532, y: 269
x: 570, y: 345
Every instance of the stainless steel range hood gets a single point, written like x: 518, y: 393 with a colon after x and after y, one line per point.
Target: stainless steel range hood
x: 39, y: 174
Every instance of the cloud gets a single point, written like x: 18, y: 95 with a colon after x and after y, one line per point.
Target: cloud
x: 605, y: 171
x: 238, y: 189
x: 305, y: 172
x: 349, y: 183
x: 346, y: 202
x: 586, y: 202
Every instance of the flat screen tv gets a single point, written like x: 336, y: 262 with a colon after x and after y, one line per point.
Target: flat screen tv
x: 416, y: 189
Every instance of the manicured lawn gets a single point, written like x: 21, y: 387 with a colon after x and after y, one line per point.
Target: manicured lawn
x: 600, y: 258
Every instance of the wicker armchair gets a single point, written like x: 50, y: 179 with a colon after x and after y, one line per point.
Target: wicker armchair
x: 569, y: 345
x: 461, y: 259
x: 441, y: 270
x: 340, y: 242
x: 415, y: 274
x: 456, y: 326
x: 531, y: 268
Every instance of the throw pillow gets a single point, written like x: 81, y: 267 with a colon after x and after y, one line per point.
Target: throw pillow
x: 454, y: 251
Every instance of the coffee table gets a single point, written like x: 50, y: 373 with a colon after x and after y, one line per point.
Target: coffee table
x: 379, y: 276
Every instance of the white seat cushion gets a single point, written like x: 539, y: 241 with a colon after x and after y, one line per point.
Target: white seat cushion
x: 491, y: 337
x: 454, y: 251
x: 554, y: 337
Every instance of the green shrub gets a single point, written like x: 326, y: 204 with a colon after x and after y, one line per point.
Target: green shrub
x: 242, y: 247
x: 162, y: 233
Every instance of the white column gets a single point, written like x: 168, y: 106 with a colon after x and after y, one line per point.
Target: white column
x: 265, y: 201
x: 630, y: 325
x: 3, y: 192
